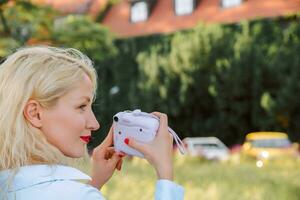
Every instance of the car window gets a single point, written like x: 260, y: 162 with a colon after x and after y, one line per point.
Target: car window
x: 206, y: 146
x: 271, y: 143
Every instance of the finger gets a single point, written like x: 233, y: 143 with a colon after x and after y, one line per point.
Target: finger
x: 163, y: 122
x: 107, y: 142
x: 109, y: 152
x: 115, y: 159
x: 119, y: 164
x: 163, y: 118
x: 100, y: 150
x: 136, y: 145
x: 122, y: 154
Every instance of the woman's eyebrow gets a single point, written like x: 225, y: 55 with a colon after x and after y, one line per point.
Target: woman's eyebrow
x: 86, y: 98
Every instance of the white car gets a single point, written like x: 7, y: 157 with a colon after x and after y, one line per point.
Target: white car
x: 210, y: 148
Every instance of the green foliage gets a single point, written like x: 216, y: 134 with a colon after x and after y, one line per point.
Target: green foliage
x: 82, y: 33
x: 7, y: 44
x: 2, y: 2
x: 22, y: 22
x: 227, y: 80
x: 28, y: 21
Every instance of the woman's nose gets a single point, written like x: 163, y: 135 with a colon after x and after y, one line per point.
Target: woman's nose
x: 93, y: 124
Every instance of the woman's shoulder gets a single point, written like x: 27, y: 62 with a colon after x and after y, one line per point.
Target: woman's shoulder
x: 50, y: 182
x: 60, y: 189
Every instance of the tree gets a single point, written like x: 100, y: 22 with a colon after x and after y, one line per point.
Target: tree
x: 27, y: 23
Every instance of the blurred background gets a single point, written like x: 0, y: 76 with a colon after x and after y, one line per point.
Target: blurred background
x: 227, y: 73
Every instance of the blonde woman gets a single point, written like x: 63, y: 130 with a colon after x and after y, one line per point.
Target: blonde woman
x: 46, y: 118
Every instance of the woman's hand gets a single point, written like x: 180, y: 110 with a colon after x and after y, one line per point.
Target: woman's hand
x: 159, y: 152
x: 104, y: 161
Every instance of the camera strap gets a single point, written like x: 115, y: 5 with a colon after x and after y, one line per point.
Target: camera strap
x: 178, y: 141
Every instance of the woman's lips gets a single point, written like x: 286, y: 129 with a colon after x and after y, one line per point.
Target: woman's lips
x: 86, y: 139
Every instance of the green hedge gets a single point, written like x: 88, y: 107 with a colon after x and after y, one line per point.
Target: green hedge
x: 220, y: 80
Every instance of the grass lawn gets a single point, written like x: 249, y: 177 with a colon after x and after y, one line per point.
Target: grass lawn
x: 209, y: 180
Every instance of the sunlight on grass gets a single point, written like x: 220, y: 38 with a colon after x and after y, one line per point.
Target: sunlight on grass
x: 209, y: 180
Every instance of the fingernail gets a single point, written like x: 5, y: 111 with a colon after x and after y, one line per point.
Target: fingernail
x: 126, y: 141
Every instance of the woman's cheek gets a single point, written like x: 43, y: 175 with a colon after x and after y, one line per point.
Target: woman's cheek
x: 79, y: 122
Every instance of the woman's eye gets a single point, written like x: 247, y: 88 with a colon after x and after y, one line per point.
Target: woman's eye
x: 82, y: 107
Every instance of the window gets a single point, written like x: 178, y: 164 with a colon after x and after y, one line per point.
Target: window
x: 184, y: 7
x: 230, y: 3
x: 271, y: 143
x: 139, y: 12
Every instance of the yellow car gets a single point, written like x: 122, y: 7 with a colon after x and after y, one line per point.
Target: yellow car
x: 266, y: 145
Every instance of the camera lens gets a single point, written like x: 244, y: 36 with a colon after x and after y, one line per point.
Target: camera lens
x: 116, y: 118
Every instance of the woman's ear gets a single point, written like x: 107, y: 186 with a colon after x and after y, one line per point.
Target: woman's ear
x: 32, y: 112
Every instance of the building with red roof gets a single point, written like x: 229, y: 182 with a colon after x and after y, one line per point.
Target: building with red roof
x: 129, y: 18
x: 165, y: 16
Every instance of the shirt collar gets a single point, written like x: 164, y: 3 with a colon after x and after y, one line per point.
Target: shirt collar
x: 35, y: 174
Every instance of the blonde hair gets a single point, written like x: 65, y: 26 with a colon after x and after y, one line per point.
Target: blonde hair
x: 40, y: 73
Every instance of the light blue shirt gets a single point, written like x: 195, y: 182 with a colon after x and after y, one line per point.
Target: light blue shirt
x: 61, y: 182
